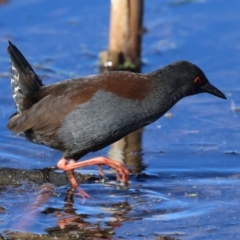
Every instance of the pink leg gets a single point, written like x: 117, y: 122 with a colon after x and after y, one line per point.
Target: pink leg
x: 71, y: 176
x: 74, y: 183
x: 100, y: 170
x: 121, y: 171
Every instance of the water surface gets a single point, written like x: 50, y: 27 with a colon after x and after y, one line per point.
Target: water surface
x: 188, y: 186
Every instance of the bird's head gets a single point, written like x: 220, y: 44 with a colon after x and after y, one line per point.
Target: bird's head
x: 190, y: 79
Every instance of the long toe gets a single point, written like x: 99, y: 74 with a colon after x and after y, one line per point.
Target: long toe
x: 82, y: 193
x: 100, y: 170
x: 122, y: 172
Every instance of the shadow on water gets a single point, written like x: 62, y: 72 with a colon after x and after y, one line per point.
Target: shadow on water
x: 185, y: 167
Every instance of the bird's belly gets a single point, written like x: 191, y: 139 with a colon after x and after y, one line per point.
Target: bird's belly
x: 101, y: 121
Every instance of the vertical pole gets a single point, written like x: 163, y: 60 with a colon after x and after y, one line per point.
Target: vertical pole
x: 124, y: 53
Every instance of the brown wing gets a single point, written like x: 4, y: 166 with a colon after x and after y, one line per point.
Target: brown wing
x: 56, y: 101
x: 44, y: 117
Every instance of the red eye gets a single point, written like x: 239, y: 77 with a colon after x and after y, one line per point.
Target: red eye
x: 197, y: 80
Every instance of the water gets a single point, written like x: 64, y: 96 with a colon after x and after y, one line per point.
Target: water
x: 187, y: 182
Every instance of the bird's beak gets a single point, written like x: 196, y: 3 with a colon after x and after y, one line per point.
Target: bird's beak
x: 209, y: 88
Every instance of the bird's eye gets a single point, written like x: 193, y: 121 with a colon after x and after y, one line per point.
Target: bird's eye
x: 197, y: 80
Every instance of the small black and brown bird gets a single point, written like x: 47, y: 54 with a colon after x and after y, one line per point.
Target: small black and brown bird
x: 82, y: 115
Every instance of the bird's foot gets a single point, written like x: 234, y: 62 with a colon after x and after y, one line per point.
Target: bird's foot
x: 121, y: 171
x: 82, y: 193
x: 77, y: 191
x: 100, y: 170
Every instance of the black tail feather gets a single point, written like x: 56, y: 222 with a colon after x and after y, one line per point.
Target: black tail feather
x: 24, y: 80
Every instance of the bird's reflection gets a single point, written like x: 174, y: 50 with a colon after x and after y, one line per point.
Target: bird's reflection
x: 128, y: 151
x: 70, y: 220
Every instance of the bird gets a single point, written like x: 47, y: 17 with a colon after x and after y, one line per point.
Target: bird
x: 81, y: 115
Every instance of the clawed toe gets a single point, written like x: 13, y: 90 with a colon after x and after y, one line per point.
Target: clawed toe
x: 121, y: 171
x: 82, y: 193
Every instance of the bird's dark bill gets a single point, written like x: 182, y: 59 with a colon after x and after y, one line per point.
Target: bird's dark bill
x: 209, y: 88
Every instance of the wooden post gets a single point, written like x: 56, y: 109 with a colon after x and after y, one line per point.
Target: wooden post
x: 124, y: 53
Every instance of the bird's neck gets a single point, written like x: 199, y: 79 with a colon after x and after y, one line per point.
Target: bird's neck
x: 161, y: 96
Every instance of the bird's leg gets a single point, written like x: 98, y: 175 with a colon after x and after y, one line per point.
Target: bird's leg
x: 121, y: 171
x: 73, y: 180
x: 100, y: 170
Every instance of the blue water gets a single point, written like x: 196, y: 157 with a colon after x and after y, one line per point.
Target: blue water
x: 190, y: 187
